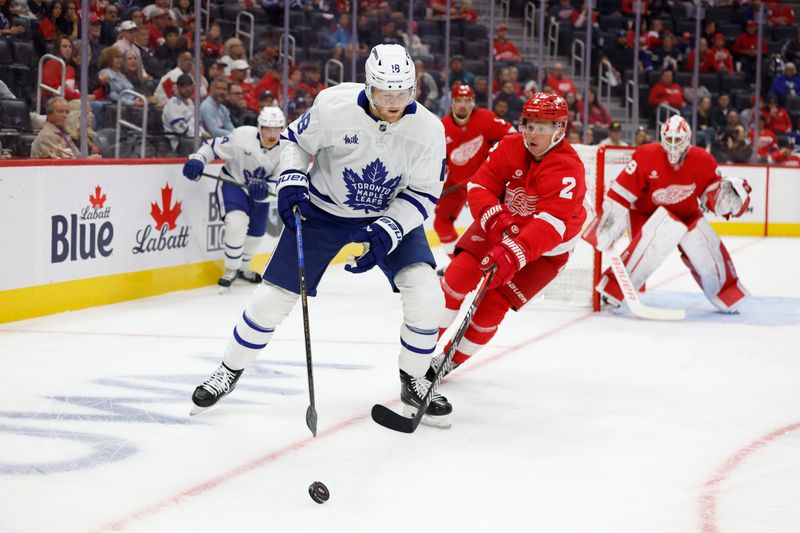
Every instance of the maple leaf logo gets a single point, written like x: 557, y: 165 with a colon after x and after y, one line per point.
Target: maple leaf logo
x: 96, y: 200
x: 259, y: 174
x: 371, y: 191
x: 169, y: 214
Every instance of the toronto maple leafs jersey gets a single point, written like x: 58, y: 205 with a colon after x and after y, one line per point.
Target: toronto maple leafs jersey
x: 245, y: 158
x: 367, y: 167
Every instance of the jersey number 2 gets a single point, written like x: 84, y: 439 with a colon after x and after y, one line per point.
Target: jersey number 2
x: 569, y: 184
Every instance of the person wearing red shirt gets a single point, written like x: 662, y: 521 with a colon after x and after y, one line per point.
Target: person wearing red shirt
x: 660, y: 192
x: 628, y: 8
x: 784, y: 155
x: 467, y: 12
x: 469, y: 134
x: 719, y: 57
x: 705, y: 66
x: 745, y: 47
x: 561, y: 84
x: 666, y: 91
x: 776, y: 118
x: 51, y: 72
x: 780, y: 14
x: 159, y: 21
x: 526, y: 200
x: 503, y: 48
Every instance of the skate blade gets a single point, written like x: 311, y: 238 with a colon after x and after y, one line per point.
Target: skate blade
x: 438, y: 422
x: 196, y: 409
x: 224, y: 290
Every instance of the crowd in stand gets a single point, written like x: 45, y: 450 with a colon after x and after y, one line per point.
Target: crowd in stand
x: 143, y: 54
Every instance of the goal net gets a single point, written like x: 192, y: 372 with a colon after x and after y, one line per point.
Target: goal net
x: 575, y: 284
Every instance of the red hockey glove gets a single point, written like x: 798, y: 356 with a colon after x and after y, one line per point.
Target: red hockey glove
x: 508, y: 257
x: 497, y: 222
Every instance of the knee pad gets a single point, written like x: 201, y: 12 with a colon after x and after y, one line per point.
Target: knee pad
x: 269, y: 305
x: 708, y: 259
x: 235, y: 233
x: 422, y: 297
x: 658, y: 238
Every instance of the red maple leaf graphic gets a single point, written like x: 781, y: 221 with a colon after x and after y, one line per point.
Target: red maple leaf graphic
x: 169, y: 213
x: 97, y: 200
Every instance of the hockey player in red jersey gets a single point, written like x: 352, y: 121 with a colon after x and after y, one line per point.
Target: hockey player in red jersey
x: 527, y: 203
x: 660, y: 192
x: 469, y: 133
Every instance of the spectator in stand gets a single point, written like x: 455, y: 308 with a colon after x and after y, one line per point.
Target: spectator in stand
x: 389, y: 34
x: 95, y: 29
x: 53, y: 142
x: 503, y: 48
x: 427, y: 90
x: 731, y: 147
x: 138, y: 18
x: 720, y: 113
x: 709, y: 31
x: 573, y: 107
x: 150, y: 10
x: 720, y: 58
x: 705, y: 59
x: 339, y: 39
x: 38, y: 9
x: 767, y: 142
x: 181, y: 11
x: 745, y: 48
x: 598, y: 114
x: 467, y: 12
x: 667, y: 55
x: 69, y: 23
x: 167, y: 84
x: 791, y: 49
x: 73, y: 128
x: 514, y: 102
x: 618, y: 53
x: 48, y: 27
x: 113, y: 78
x: 560, y: 83
x: 457, y: 72
x: 238, y: 75
x: 614, y: 136
x: 265, y: 60
x: 167, y: 53
x: 127, y: 35
x: 666, y: 91
x: 234, y: 49
x: 786, y: 84
x: 267, y: 99
x: 159, y: 18
x: 52, y: 71
x: 7, y: 28
x: 564, y: 13
x: 655, y: 35
x: 215, y: 115
x: 689, y: 93
x: 311, y: 79
x: 776, y: 118
x: 641, y: 137
x: 685, y: 44
x: 481, y: 91
x: 628, y: 8
x: 705, y: 131
x: 500, y: 109
x: 784, y: 155
x: 748, y: 114
x: 780, y: 14
x: 108, y: 29
x: 211, y: 42
x: 132, y: 68
x: 151, y: 68
x: 240, y: 114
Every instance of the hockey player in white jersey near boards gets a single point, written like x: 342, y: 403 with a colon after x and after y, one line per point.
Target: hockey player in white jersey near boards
x: 251, y: 158
x: 376, y: 176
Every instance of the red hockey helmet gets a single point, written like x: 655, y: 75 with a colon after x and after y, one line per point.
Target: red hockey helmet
x: 547, y: 107
x: 463, y: 91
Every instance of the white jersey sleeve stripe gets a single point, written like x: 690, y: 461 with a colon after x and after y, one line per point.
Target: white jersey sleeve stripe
x: 622, y: 191
x: 557, y: 224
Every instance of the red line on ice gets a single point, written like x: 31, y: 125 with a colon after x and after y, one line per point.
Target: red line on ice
x: 215, y: 482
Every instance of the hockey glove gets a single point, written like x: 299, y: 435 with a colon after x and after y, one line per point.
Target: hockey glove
x: 605, y: 232
x: 192, y: 169
x: 508, y: 257
x: 379, y: 239
x: 258, y: 189
x: 293, y: 191
x: 497, y: 222
x: 732, y: 198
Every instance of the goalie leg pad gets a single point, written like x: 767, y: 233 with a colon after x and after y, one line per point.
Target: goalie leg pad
x: 483, y: 326
x: 461, y: 277
x: 235, y: 233
x: 266, y: 309
x: 422, y: 308
x: 711, y: 266
x: 647, y: 251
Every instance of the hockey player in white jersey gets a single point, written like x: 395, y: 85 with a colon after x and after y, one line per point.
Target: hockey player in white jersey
x: 378, y: 168
x: 251, y: 158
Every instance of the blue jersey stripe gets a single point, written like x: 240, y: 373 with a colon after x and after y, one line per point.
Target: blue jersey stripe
x: 413, y: 201
x: 433, y: 199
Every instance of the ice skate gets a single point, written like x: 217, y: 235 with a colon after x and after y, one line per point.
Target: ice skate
x: 216, y: 387
x: 413, y: 391
x: 436, y: 363
x: 249, y: 275
x: 227, y: 280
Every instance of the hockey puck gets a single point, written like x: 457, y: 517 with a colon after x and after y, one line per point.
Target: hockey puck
x: 319, y: 492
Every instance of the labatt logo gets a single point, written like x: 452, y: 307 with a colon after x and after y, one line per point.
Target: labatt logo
x: 79, y: 236
x: 165, y: 217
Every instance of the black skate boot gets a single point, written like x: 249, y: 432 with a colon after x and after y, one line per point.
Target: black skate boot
x: 228, y: 278
x: 219, y: 385
x: 436, y: 362
x: 249, y: 275
x: 413, y: 391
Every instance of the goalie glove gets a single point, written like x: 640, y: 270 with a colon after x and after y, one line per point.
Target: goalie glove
x: 732, y: 198
x: 610, y: 227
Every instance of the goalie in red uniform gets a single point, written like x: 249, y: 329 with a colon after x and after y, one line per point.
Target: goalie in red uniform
x: 469, y: 133
x: 527, y: 203
x: 660, y: 191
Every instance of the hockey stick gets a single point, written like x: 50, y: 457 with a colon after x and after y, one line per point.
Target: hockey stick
x: 388, y: 418
x: 229, y: 182
x: 631, y: 295
x: 311, y: 412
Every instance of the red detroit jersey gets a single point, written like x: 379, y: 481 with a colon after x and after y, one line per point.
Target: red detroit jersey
x: 649, y: 181
x: 468, y: 145
x: 546, y: 197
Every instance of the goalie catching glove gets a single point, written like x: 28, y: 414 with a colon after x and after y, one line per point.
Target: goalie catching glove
x: 610, y: 227
x: 379, y: 239
x: 731, y: 199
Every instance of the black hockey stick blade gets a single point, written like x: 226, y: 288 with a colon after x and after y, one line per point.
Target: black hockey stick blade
x: 311, y: 419
x: 391, y: 420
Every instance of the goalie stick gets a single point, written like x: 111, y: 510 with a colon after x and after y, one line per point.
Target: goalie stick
x: 388, y: 418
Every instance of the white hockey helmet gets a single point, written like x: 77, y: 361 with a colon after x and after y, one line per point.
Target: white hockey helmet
x: 390, y: 68
x: 676, y: 138
x: 271, y: 117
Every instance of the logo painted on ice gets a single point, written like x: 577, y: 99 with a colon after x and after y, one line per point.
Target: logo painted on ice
x: 674, y: 194
x: 370, y: 191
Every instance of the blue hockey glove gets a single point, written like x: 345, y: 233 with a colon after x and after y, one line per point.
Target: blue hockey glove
x: 293, y: 191
x: 192, y: 169
x: 379, y: 239
x: 258, y: 189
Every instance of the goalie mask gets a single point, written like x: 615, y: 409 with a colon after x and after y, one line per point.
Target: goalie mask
x: 389, y: 69
x: 676, y: 138
x: 543, y: 108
